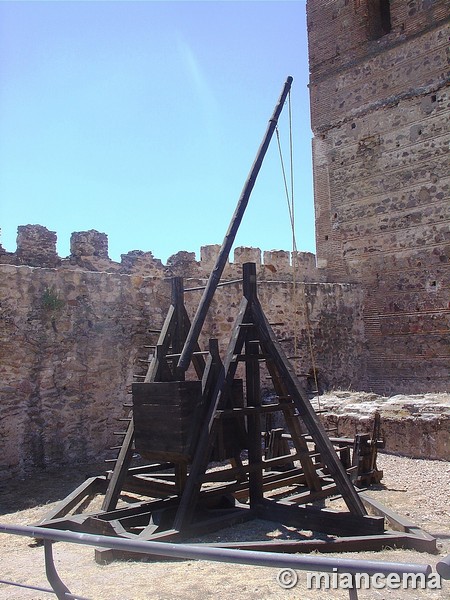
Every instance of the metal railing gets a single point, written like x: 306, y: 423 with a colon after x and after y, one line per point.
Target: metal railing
x: 200, y: 552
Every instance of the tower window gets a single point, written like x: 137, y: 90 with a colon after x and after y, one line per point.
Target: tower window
x: 379, y: 18
x: 385, y: 16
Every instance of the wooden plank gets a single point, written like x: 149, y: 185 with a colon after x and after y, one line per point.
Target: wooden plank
x: 179, y: 333
x: 212, y: 523
x: 294, y: 481
x: 149, y: 487
x: 90, y: 487
x: 162, y: 393
x: 209, y: 378
x: 104, y: 556
x: 248, y: 468
x: 163, y: 456
x: 325, y: 521
x: 247, y: 357
x: 148, y: 424
x: 295, y: 475
x: 247, y: 410
x: 198, y: 360
x: 231, y: 434
x: 310, y: 496
x: 368, y: 543
x: 69, y: 522
x: 119, y: 530
x: 240, y: 488
x: 156, y: 366
x: 139, y: 508
x: 398, y: 522
x: 176, y: 448
x: 180, y: 427
x: 255, y: 475
x: 151, y: 468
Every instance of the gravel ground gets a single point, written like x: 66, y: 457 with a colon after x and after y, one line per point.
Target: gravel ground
x: 418, y: 489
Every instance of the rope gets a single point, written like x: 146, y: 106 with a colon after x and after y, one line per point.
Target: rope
x: 290, y: 203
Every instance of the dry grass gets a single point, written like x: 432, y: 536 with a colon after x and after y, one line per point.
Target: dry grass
x: 418, y: 489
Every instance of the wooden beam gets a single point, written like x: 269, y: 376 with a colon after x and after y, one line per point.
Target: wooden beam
x: 120, y: 470
x: 248, y: 410
x: 207, y: 433
x: 325, y: 521
x: 309, y: 496
x: 253, y: 393
x: 307, y: 413
x: 90, y: 487
x: 399, y: 522
x: 293, y: 425
x: 230, y: 235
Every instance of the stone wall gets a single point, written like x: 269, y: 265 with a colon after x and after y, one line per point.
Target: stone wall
x: 417, y: 426
x: 72, y: 335
x: 36, y: 247
x: 380, y: 107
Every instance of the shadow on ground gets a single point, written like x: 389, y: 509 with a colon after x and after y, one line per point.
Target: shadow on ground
x: 44, y: 487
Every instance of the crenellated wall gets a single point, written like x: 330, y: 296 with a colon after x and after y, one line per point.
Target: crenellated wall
x: 73, y: 331
x: 36, y: 247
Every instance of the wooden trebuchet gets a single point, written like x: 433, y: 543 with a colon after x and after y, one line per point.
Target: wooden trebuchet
x: 216, y: 273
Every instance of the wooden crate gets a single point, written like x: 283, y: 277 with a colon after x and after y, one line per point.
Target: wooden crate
x: 164, y: 414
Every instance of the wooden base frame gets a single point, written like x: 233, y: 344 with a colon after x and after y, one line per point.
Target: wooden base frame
x: 212, y: 465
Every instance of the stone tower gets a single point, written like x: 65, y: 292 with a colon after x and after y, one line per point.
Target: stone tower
x: 380, y: 106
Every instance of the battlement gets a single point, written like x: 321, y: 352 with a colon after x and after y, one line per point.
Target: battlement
x: 36, y: 247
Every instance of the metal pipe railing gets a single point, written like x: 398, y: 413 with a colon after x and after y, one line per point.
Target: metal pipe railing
x: 36, y: 588
x: 200, y: 552
x: 197, y: 551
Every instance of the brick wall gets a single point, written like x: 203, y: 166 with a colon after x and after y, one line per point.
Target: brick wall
x: 380, y: 110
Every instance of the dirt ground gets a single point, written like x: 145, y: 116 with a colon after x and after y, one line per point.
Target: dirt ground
x: 418, y: 489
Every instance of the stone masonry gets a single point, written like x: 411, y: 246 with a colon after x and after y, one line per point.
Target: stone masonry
x: 380, y: 108
x: 72, y: 335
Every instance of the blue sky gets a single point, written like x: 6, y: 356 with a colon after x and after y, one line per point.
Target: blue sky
x: 142, y: 120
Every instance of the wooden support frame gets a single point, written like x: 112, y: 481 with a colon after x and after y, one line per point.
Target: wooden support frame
x: 189, y: 498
